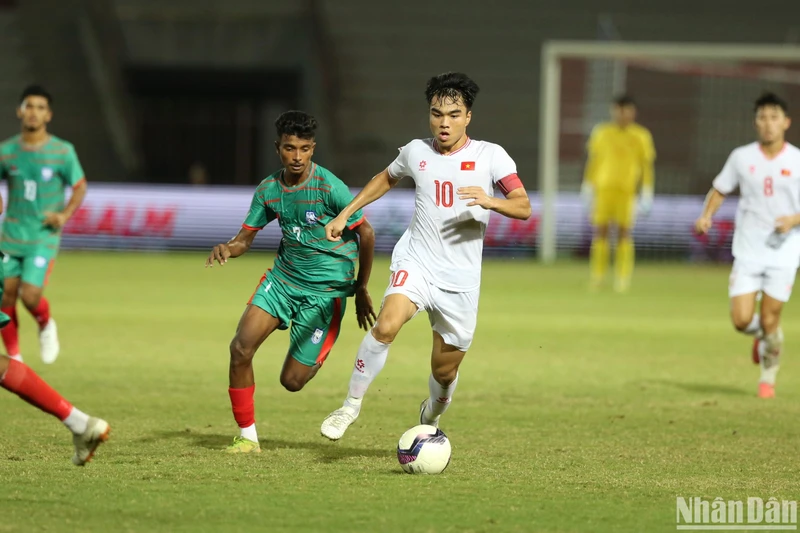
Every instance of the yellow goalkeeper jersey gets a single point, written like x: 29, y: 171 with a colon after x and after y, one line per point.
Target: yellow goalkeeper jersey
x: 618, y: 158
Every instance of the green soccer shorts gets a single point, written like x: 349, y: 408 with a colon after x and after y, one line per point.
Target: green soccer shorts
x: 33, y: 269
x: 315, y: 320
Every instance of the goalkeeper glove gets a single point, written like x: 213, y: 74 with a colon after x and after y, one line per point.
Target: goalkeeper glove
x: 646, y: 201
x: 587, y: 194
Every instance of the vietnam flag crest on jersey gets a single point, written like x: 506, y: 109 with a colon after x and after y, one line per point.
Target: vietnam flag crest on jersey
x: 468, y: 165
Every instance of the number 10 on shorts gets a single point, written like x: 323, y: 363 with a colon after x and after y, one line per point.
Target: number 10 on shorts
x: 398, y: 279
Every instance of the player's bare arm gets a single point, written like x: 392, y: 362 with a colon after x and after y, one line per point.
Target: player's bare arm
x: 233, y: 248
x: 787, y: 223
x: 377, y: 187
x: 714, y: 201
x: 516, y: 204
x: 365, y: 314
x: 57, y: 220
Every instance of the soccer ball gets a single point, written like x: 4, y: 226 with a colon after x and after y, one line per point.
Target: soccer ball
x: 424, y: 450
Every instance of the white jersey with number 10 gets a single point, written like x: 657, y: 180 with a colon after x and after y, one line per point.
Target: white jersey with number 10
x: 445, y: 236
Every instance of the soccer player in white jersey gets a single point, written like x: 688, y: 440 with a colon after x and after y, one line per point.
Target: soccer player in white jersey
x: 436, y: 264
x: 766, y: 242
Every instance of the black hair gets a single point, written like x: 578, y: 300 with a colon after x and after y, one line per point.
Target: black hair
x: 770, y: 99
x: 624, y: 100
x: 450, y: 86
x: 36, y: 90
x: 297, y: 123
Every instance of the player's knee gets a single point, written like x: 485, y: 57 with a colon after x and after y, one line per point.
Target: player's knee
x: 9, y: 299
x: 445, y: 376
x: 385, y: 330
x: 741, y: 321
x: 292, y: 382
x: 30, y: 298
x: 241, y: 353
x: 769, y: 322
x: 601, y: 231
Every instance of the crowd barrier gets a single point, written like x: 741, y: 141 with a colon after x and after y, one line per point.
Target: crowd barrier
x: 176, y: 217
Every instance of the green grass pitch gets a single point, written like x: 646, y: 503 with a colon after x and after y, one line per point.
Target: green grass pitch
x: 575, y: 412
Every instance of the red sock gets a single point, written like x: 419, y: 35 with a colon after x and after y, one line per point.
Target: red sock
x: 42, y: 312
x: 244, y: 410
x: 25, y: 383
x: 10, y: 332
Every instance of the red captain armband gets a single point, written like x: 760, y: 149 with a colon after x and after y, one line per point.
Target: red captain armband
x: 509, y: 183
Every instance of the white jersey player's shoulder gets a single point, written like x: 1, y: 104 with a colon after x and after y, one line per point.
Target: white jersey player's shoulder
x: 485, y: 145
x: 753, y: 149
x: 792, y: 149
x: 745, y: 152
x: 417, y: 144
x: 492, y: 151
x: 747, y: 148
x: 500, y: 159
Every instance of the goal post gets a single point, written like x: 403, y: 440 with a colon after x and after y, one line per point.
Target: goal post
x: 768, y: 65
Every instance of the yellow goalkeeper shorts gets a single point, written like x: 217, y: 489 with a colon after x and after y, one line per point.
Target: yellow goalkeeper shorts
x: 614, y: 208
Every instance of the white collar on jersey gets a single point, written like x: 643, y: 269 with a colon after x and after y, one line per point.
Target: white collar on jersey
x: 435, y: 146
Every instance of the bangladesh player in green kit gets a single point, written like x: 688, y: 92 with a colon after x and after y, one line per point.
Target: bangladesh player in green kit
x: 38, y: 167
x: 312, y: 276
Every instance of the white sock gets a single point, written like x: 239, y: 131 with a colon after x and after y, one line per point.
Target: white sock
x: 77, y: 421
x: 754, y: 328
x: 769, y: 350
x: 440, y: 396
x: 773, y: 342
x: 769, y: 365
x: 369, y: 362
x: 17, y: 357
x: 249, y: 433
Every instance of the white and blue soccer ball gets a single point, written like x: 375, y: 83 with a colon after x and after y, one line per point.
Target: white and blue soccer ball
x: 424, y: 449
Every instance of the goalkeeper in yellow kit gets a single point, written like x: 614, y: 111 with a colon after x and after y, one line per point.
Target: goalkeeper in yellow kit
x: 620, y: 159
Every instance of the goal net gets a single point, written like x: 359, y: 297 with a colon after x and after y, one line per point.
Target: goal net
x: 697, y: 102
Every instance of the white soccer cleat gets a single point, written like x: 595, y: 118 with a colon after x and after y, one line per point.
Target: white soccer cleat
x: 48, y: 342
x: 96, y: 433
x: 336, y: 423
x: 425, y: 420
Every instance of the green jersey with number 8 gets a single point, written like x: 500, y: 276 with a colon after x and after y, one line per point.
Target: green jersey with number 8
x: 37, y: 181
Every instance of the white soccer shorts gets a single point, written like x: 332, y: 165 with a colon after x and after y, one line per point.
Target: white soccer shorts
x: 748, y: 277
x: 453, y: 315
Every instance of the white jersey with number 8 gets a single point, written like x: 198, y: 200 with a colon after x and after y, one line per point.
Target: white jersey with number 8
x: 769, y: 189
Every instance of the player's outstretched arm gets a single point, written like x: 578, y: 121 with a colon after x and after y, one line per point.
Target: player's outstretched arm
x: 366, y: 252
x: 233, y: 248
x: 377, y: 187
x: 516, y: 204
x: 714, y: 200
